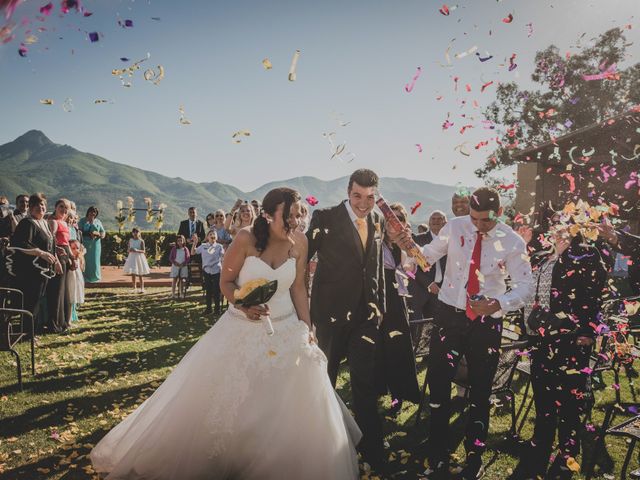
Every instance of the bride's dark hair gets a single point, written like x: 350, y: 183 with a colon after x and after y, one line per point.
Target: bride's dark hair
x: 270, y: 203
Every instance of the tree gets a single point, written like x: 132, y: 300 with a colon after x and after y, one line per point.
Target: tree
x: 565, y: 101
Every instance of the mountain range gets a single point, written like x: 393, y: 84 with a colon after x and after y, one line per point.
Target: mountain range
x: 33, y: 163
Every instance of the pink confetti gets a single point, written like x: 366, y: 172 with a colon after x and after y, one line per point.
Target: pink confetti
x: 508, y: 19
x: 311, y: 200
x: 608, y: 73
x: 46, y: 10
x: 512, y: 64
x: 419, y: 147
x: 444, y: 10
x: 409, y: 86
x: 529, y: 29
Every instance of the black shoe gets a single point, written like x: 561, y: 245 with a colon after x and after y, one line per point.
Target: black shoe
x: 437, y: 471
x: 474, y: 469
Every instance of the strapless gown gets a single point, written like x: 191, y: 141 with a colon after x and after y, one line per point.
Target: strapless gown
x: 240, y: 405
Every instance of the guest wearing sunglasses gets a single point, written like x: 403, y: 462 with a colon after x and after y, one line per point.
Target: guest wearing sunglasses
x: 223, y: 236
x: 34, y: 255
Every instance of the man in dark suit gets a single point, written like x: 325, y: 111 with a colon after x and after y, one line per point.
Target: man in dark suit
x: 192, y: 226
x: 348, y: 299
x: 424, y: 289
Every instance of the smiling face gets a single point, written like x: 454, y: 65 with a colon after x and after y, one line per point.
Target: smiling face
x: 277, y: 228
x: 61, y: 210
x: 38, y: 210
x: 362, y: 199
x: 245, y: 214
x: 460, y: 205
x: 436, y: 222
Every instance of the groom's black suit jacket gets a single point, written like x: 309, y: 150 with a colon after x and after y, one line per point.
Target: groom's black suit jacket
x: 346, y: 274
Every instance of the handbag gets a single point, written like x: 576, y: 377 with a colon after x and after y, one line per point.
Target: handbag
x: 541, y: 318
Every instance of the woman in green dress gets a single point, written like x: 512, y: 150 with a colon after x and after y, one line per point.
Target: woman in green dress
x: 92, y: 234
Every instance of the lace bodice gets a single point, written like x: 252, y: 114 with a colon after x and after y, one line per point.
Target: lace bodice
x: 254, y: 267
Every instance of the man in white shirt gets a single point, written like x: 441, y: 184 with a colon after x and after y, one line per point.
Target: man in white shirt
x: 481, y: 253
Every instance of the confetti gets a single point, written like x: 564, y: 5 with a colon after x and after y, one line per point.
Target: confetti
x: 367, y: 339
x: 529, y: 29
x: 512, y: 64
x: 22, y: 51
x: 409, y: 86
x: 508, y: 19
x: 484, y: 59
x: 183, y: 119
x: 9, y: 7
x: 266, y: 63
x: 395, y: 333
x: 46, y: 101
x: 94, y: 37
x: 445, y: 10
x: 151, y: 76
x: 419, y: 146
x: 294, y: 64
x: 608, y: 73
x: 240, y: 133
x: 415, y: 207
x: 311, y: 200
x: 468, y: 52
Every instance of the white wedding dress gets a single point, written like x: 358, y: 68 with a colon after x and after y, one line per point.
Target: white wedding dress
x: 241, y: 405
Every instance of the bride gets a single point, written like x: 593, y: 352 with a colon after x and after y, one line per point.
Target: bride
x: 242, y: 404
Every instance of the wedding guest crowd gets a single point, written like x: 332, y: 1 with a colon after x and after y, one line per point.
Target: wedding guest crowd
x: 43, y: 256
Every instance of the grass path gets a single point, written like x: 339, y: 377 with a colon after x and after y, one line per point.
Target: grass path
x: 119, y: 353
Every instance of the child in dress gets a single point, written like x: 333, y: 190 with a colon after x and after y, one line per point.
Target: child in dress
x: 136, y: 264
x: 75, y: 279
x: 179, y: 258
x: 212, y: 253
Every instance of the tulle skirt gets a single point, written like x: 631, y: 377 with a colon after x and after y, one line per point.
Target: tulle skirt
x: 240, y: 405
x: 136, y: 264
x: 75, y: 286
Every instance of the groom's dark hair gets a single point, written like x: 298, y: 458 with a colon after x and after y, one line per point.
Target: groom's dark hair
x: 364, y: 177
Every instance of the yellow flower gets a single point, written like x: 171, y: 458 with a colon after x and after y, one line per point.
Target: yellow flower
x: 248, y: 287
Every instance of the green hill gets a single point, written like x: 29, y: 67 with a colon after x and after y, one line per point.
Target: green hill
x: 33, y: 163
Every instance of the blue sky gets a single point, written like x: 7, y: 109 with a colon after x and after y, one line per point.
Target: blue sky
x: 356, y: 57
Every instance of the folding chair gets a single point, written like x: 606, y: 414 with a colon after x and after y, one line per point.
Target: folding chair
x: 13, y: 327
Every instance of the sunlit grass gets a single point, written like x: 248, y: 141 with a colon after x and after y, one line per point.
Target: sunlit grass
x: 118, y: 354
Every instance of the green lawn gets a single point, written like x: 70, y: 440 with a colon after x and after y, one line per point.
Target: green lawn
x: 118, y: 354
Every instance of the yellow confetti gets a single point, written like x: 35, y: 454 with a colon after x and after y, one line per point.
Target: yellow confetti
x: 573, y: 465
x: 46, y: 101
x: 395, y: 333
x: 364, y: 337
x: 266, y: 63
x: 183, y: 119
x: 240, y: 133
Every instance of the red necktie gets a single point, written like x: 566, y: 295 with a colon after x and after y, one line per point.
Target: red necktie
x: 473, y: 284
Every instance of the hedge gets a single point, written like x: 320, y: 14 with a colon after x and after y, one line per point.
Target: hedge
x: 157, y: 246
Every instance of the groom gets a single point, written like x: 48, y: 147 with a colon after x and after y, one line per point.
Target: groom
x: 347, y: 299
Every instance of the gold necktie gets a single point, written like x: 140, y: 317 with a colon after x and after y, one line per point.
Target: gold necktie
x: 362, y: 231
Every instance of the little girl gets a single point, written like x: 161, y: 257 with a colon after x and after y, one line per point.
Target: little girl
x: 136, y: 264
x: 179, y: 258
x: 75, y: 279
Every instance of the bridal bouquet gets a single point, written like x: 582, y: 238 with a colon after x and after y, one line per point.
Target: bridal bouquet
x: 257, y: 292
